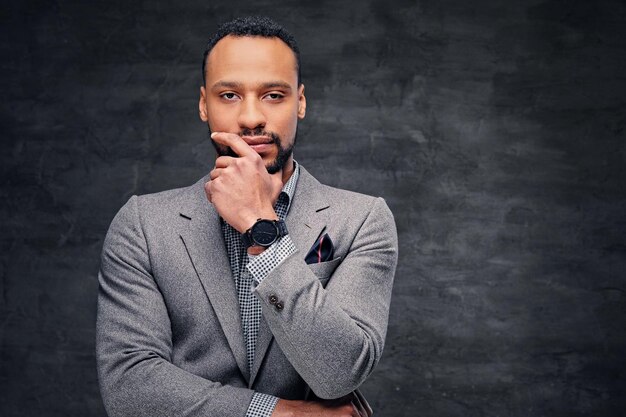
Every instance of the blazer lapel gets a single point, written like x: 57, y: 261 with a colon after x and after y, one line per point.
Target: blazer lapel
x: 204, y: 241
x: 306, y: 221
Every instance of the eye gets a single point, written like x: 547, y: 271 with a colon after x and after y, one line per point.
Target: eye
x: 274, y: 96
x: 228, y: 96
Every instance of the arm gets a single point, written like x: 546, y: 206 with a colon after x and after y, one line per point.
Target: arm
x: 334, y: 337
x: 134, y: 340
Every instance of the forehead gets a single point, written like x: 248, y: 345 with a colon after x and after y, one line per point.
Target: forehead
x: 247, y: 58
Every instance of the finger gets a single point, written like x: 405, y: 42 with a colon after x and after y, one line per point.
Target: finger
x: 207, y: 191
x: 216, y: 173
x: 356, y: 402
x: 355, y: 411
x: 224, y: 161
x: 347, y: 410
x: 234, y: 142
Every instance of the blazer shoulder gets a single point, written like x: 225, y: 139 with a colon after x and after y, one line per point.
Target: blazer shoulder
x: 352, y: 201
x: 178, y: 200
x: 173, y: 199
x: 360, y: 217
x: 340, y: 194
x: 162, y: 208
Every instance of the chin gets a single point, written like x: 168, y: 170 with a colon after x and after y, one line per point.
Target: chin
x: 268, y: 161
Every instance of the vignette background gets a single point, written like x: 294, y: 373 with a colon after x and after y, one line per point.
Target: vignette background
x: 494, y: 130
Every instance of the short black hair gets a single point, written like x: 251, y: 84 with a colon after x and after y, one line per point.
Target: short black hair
x: 252, y: 26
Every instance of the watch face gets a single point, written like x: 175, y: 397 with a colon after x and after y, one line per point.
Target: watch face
x: 264, y: 233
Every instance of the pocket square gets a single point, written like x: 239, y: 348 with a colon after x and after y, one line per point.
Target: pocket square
x: 322, y: 251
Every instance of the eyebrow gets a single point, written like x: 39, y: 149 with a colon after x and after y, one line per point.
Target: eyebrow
x: 236, y: 85
x: 276, y: 84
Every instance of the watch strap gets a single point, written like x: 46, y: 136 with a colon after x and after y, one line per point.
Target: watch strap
x: 246, y: 238
x: 282, y: 228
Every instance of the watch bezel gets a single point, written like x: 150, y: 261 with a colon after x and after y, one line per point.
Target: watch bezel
x: 248, y: 240
x: 255, y: 229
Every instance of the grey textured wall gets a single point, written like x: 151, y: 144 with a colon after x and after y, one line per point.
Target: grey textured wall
x: 494, y: 129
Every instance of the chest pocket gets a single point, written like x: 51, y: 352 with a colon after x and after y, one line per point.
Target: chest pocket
x: 324, y: 270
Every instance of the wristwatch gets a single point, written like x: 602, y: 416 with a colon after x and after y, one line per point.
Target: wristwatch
x: 264, y: 233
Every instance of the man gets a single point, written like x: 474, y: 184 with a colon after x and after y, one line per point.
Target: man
x: 257, y: 291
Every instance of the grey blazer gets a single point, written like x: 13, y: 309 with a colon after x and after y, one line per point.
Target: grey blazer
x: 169, y: 336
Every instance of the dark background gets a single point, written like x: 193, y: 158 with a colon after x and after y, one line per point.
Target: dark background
x: 494, y: 129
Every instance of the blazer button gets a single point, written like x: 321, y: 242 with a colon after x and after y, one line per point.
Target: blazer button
x: 273, y: 299
x: 279, y: 306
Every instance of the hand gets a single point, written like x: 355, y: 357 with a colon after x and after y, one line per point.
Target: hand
x: 241, y: 189
x: 342, y: 407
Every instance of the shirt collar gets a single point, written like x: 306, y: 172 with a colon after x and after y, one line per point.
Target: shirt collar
x: 289, y: 188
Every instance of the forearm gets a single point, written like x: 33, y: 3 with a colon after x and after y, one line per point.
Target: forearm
x: 143, y: 386
x: 134, y: 341
x: 334, y: 337
x: 332, y: 351
x: 341, y: 407
x: 134, y: 355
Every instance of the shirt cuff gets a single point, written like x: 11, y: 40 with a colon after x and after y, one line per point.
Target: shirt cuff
x: 261, y: 265
x: 262, y: 405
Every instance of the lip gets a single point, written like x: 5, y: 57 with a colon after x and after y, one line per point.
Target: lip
x: 257, y: 140
x: 263, y: 148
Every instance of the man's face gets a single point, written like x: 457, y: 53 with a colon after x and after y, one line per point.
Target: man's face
x: 252, y: 90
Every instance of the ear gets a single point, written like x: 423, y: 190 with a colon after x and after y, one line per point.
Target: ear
x: 202, y: 105
x: 301, y: 102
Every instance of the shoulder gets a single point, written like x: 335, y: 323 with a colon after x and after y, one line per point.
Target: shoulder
x: 162, y: 208
x: 354, y: 220
x: 174, y: 199
x: 345, y: 201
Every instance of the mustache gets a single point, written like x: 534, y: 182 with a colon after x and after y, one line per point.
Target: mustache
x: 227, y: 151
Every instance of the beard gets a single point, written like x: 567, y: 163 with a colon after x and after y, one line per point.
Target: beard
x: 281, y: 158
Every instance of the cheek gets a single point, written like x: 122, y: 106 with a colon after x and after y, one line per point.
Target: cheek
x: 221, y: 118
x: 286, y: 122
x: 290, y: 127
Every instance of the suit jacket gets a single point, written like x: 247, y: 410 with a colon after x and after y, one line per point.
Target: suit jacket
x: 169, y: 336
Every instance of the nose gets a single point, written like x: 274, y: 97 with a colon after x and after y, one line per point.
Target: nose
x: 251, y: 115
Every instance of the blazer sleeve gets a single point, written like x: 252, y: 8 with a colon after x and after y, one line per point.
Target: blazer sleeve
x: 334, y: 336
x: 134, y: 340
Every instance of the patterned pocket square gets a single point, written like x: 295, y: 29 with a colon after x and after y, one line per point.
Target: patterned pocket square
x: 322, y: 251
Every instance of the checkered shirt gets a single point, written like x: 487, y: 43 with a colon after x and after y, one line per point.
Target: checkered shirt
x: 249, y: 271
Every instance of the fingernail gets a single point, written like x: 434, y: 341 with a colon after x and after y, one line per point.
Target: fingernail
x: 213, y: 134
